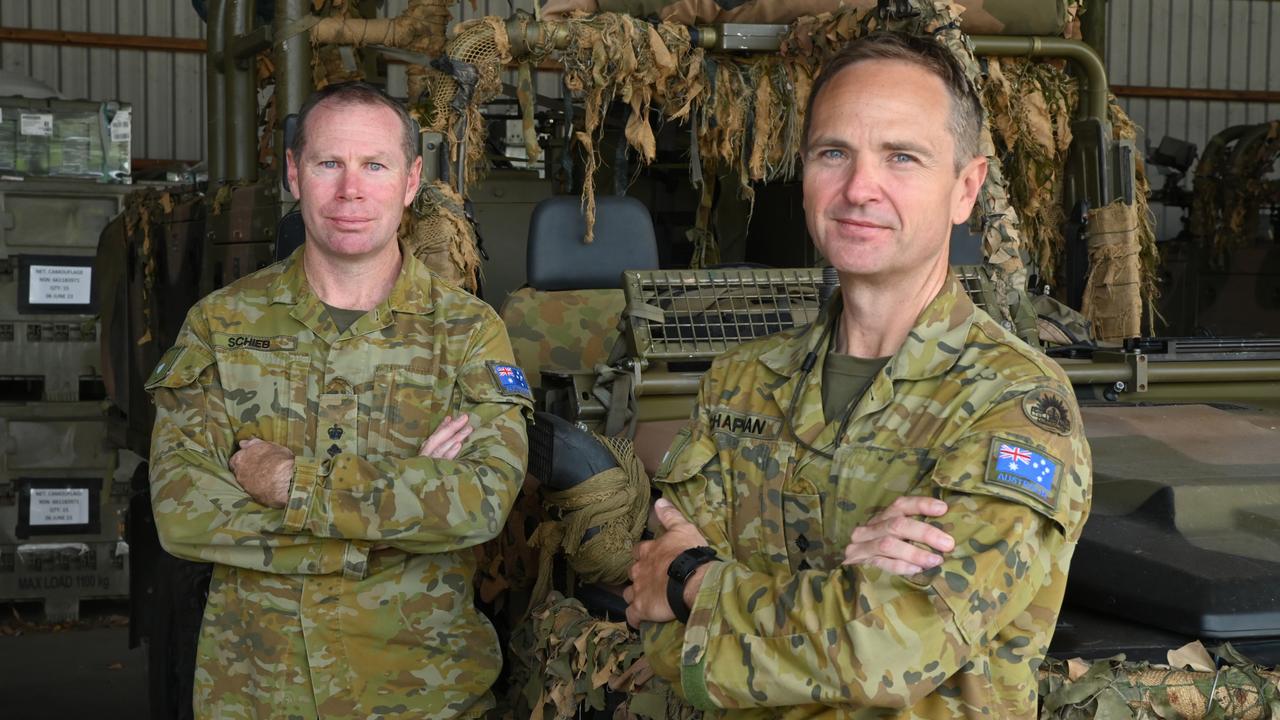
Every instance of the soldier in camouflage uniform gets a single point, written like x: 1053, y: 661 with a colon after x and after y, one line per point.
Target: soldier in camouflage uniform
x: 893, y: 529
x: 314, y: 440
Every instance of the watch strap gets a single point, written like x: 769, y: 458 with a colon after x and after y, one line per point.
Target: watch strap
x: 678, y: 574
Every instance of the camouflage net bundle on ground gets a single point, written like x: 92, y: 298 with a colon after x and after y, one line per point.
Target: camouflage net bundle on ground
x: 582, y: 655
x: 436, y: 230
x: 614, y: 502
x: 1118, y: 690
x: 1230, y: 188
x: 571, y: 658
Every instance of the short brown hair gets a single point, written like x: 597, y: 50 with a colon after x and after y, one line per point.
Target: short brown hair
x: 347, y: 94
x: 924, y: 52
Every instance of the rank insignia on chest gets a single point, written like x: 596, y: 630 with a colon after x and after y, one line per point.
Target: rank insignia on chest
x: 1028, y: 471
x: 510, y: 379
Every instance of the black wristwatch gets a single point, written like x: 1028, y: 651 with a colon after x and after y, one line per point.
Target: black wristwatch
x: 678, y: 574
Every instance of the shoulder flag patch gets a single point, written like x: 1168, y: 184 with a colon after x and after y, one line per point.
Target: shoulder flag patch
x: 1028, y: 471
x: 510, y: 379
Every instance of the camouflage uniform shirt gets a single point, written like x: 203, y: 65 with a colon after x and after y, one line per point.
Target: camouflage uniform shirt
x: 782, y: 629
x: 355, y: 600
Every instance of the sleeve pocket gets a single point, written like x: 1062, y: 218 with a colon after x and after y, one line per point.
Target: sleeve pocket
x: 179, y: 367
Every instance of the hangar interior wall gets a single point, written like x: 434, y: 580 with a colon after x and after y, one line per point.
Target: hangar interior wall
x: 166, y: 89
x: 1215, y: 44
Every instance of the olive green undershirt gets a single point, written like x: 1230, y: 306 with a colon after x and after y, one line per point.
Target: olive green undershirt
x: 845, y: 379
x: 342, y: 317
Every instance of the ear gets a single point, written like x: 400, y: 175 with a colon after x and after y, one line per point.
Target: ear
x: 415, y: 179
x: 291, y: 165
x: 967, y: 187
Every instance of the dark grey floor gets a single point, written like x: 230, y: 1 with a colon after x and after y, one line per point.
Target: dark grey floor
x: 80, y: 670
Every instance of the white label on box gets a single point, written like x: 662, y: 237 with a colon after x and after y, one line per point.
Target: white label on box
x: 122, y: 126
x: 60, y: 285
x: 38, y: 124
x: 59, y: 506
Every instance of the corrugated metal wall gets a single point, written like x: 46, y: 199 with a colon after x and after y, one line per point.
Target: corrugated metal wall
x: 166, y: 89
x: 1216, y: 44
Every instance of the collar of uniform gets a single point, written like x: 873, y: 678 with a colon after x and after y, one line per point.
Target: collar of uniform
x: 410, y: 294
x: 931, y: 348
x: 938, y: 337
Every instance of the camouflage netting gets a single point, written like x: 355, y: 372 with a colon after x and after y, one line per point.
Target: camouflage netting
x: 568, y: 660
x: 436, y: 230
x: 1117, y: 690
x: 582, y: 655
x: 1231, y: 185
x: 144, y: 212
x: 1031, y: 105
x: 1012, y: 17
x: 454, y: 92
x: 615, y: 502
x: 746, y: 112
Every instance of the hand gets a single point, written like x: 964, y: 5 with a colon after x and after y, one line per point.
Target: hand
x: 646, y: 596
x: 446, y: 442
x: 264, y: 469
x: 886, y: 540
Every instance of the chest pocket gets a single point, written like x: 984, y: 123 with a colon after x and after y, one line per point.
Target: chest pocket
x: 865, y: 479
x: 408, y: 403
x: 264, y: 393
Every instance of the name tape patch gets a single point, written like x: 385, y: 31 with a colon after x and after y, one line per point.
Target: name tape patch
x: 510, y: 379
x: 742, y: 424
x: 1028, y: 471
x: 255, y: 342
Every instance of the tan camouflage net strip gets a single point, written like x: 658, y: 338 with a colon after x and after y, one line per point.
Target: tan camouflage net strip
x: 1230, y: 187
x: 1123, y: 128
x: 615, y: 501
x: 436, y: 230
x: 583, y: 655
x: 1031, y: 105
x: 143, y: 212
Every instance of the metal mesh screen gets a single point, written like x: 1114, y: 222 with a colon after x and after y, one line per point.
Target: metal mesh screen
x: 975, y: 283
x: 690, y: 314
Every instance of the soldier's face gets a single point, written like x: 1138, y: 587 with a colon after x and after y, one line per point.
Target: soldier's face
x: 353, y: 180
x: 881, y: 190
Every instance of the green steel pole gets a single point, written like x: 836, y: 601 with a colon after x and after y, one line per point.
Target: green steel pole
x: 241, y: 97
x: 216, y: 95
x: 293, y: 68
x: 1096, y: 90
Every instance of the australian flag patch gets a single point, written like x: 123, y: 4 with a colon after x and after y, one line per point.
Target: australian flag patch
x: 510, y: 379
x: 1028, y: 471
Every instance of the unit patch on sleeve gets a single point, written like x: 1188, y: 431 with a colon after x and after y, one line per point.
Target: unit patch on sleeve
x: 510, y: 379
x: 1048, y: 409
x: 1028, y: 471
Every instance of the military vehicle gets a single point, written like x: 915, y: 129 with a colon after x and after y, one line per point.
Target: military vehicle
x: 615, y: 330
